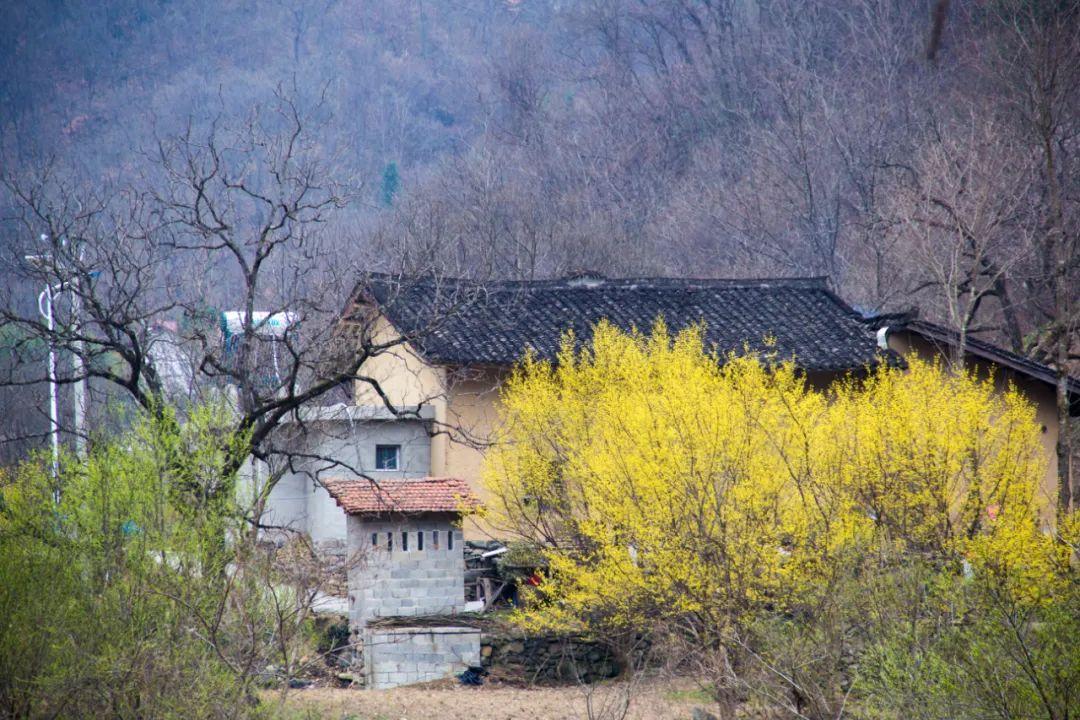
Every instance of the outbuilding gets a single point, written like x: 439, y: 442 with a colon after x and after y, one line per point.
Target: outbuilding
x: 406, y: 560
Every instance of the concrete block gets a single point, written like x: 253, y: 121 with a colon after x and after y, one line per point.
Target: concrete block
x: 408, y: 655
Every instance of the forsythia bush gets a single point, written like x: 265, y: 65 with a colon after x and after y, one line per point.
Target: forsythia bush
x: 667, y: 485
x: 692, y: 483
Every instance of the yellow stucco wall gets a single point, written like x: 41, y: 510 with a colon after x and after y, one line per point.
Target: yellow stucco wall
x: 472, y: 411
x: 400, y: 372
x: 464, y: 404
x: 406, y: 379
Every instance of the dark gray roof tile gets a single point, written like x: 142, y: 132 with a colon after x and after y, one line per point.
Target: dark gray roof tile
x: 461, y: 322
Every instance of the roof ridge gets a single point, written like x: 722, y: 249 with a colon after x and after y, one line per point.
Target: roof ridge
x: 592, y: 282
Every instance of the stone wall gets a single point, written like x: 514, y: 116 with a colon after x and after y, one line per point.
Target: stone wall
x: 404, y: 655
x: 392, y: 581
x: 395, y: 653
x: 546, y: 659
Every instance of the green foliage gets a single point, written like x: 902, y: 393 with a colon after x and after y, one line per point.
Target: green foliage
x: 391, y: 183
x: 134, y: 596
x: 976, y: 649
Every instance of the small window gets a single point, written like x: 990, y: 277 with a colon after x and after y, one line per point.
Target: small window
x: 374, y: 539
x: 390, y: 541
x: 404, y: 541
x: 449, y: 539
x: 435, y: 539
x: 387, y: 457
x: 420, y: 540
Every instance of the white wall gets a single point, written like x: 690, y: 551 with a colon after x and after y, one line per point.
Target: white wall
x: 346, y: 435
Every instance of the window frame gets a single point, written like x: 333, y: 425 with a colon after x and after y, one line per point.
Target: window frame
x: 397, y: 456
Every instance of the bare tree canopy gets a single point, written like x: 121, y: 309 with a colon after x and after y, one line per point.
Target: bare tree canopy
x: 213, y: 277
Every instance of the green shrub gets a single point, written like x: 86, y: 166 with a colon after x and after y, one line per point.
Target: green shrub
x: 131, y: 598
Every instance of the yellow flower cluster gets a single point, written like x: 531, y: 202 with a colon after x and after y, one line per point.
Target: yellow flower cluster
x: 661, y: 480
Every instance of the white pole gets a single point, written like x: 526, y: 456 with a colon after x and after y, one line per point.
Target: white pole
x: 45, y: 307
x: 79, y: 391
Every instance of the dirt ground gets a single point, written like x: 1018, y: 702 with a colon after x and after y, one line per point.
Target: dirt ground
x: 651, y: 700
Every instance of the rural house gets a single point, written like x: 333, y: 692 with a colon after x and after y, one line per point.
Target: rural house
x: 465, y: 337
x: 403, y: 535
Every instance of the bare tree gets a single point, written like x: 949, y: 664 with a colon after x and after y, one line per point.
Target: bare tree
x: 1031, y: 58
x: 962, y: 207
x: 218, y: 273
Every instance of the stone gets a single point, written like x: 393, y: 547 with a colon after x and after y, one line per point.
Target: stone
x: 606, y: 669
x: 702, y: 714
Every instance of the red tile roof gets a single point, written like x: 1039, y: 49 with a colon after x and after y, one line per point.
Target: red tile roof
x: 367, y: 497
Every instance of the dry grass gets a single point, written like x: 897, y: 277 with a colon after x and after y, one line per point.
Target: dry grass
x: 652, y: 700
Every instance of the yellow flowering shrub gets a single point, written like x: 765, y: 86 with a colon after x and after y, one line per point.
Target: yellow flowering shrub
x: 662, y: 481
x: 935, y: 458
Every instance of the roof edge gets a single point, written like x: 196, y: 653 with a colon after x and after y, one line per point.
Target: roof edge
x: 383, y: 491
x: 988, y: 351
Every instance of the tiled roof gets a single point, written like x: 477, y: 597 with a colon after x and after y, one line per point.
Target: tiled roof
x: 459, y: 322
x: 939, y: 334
x: 367, y: 497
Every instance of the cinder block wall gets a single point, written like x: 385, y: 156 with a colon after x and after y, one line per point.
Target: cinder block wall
x: 400, y: 656
x: 388, y: 580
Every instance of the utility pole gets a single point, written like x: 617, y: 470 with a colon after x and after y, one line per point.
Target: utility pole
x: 45, y: 307
x: 79, y: 391
x: 46, y: 300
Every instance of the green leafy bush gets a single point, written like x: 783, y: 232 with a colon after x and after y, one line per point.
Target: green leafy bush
x: 141, y: 593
